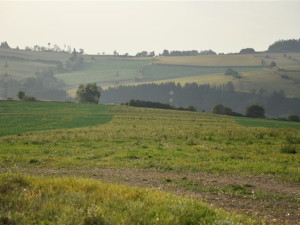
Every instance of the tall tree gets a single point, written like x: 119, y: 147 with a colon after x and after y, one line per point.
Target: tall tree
x: 88, y: 93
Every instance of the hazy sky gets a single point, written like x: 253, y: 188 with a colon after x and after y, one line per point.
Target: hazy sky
x: 131, y: 26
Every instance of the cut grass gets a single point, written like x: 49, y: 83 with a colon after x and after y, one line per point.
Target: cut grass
x: 39, y: 200
x: 20, y: 117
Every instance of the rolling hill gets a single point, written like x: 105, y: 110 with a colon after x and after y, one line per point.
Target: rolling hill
x: 110, y: 71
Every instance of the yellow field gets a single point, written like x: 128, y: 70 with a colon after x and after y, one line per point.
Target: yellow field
x: 211, y: 60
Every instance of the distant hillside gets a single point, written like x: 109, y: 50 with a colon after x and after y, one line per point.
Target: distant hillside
x: 68, y: 70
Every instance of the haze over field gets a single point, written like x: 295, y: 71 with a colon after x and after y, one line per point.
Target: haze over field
x: 105, y: 26
x: 150, y: 112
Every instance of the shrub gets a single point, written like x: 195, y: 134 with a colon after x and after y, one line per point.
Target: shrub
x: 29, y: 99
x: 255, y: 111
x: 294, y: 118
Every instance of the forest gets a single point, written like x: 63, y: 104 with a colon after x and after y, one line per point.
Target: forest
x: 203, y: 97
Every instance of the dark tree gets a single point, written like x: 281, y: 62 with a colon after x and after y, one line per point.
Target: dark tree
x: 272, y: 64
x: 220, y: 109
x: 207, y: 52
x: 247, y: 51
x: 294, y: 118
x: 88, y: 93
x: 115, y: 53
x: 165, y: 53
x: 255, y: 111
x: 21, y: 95
x: 4, y: 45
x: 142, y: 54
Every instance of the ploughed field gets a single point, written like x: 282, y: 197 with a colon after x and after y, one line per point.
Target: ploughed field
x: 144, y: 166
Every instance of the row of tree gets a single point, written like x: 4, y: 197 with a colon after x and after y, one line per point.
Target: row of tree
x: 158, y: 105
x: 254, y: 111
x: 186, y: 53
x: 40, y: 48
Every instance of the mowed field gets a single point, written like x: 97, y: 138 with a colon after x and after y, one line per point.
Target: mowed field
x: 229, y: 173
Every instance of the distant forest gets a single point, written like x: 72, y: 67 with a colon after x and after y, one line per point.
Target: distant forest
x: 203, y: 97
x: 292, y: 45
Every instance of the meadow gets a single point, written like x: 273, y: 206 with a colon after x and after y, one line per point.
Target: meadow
x: 198, y: 155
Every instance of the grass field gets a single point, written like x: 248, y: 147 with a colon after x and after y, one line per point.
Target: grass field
x: 198, y: 155
x: 20, y: 117
x: 184, y: 145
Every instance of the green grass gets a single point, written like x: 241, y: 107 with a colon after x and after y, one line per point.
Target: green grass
x: 162, y: 140
x: 39, y: 200
x: 254, y: 122
x: 20, y: 117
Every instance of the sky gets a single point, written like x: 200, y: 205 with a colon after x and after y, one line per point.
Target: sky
x: 133, y: 26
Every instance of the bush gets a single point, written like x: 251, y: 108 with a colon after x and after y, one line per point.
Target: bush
x: 294, y: 118
x: 29, y: 99
x: 255, y: 111
x: 220, y: 109
x: 272, y: 64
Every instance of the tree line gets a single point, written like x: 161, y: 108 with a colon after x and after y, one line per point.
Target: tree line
x: 158, y: 105
x: 291, y: 45
x: 204, y: 97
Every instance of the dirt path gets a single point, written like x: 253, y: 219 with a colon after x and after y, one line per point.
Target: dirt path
x: 275, y: 202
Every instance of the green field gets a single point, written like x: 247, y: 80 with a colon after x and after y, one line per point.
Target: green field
x: 198, y: 155
x: 20, y: 117
x: 249, y: 122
